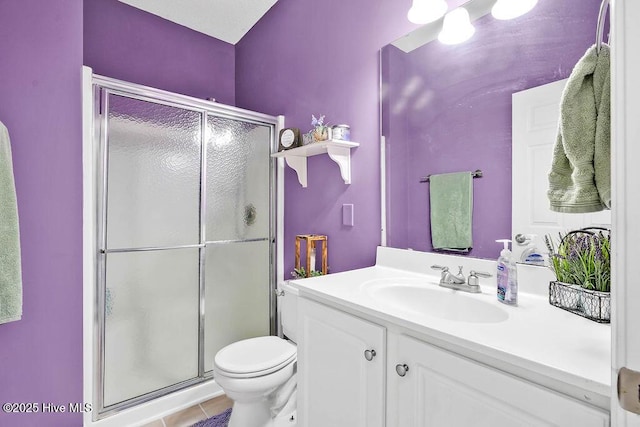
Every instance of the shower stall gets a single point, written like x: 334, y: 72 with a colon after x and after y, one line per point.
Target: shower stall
x: 185, y: 256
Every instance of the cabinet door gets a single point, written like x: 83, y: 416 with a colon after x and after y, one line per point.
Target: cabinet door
x: 441, y: 389
x: 338, y: 385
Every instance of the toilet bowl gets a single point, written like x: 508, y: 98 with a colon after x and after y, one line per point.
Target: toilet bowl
x: 258, y: 374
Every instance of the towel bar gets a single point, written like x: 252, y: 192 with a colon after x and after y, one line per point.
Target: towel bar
x: 600, y: 28
x: 475, y: 174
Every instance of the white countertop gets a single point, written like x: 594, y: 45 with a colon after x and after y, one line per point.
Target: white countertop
x: 538, y: 341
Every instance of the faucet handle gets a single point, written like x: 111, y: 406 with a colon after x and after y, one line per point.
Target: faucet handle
x: 479, y: 274
x: 460, y: 270
x: 440, y: 267
x: 473, y: 279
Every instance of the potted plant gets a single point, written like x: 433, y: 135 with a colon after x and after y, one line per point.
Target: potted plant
x: 582, y: 265
x: 320, y: 131
x: 301, y: 273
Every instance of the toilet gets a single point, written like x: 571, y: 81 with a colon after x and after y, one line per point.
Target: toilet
x: 258, y: 374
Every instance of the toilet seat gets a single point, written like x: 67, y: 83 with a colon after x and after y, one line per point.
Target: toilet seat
x: 254, y: 357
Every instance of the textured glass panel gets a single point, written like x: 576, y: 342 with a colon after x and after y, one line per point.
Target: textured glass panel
x: 236, y: 295
x: 154, y: 174
x: 151, y: 325
x: 237, y: 179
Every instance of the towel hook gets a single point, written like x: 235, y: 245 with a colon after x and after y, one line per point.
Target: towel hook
x: 600, y: 29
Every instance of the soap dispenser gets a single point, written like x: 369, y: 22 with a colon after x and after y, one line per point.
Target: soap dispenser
x: 507, y: 275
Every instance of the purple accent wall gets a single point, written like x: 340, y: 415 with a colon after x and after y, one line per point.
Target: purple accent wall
x: 40, y: 103
x: 40, y: 84
x: 126, y: 43
x: 450, y: 111
x: 307, y: 58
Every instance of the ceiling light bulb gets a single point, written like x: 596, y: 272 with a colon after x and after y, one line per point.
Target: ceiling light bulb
x: 456, y: 27
x: 426, y: 11
x: 509, y: 9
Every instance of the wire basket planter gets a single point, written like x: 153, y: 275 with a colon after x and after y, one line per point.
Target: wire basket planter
x: 581, y: 263
x: 594, y: 305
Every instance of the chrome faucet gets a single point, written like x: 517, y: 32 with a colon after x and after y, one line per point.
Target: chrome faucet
x: 457, y: 281
x: 448, y: 278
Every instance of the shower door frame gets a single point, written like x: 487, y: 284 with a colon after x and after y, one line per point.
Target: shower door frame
x: 95, y: 162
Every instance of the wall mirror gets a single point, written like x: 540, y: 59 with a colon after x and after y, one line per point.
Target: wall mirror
x: 448, y: 108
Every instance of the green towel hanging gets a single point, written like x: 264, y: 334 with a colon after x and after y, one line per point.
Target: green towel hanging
x: 451, y: 197
x: 580, y: 176
x: 10, y: 269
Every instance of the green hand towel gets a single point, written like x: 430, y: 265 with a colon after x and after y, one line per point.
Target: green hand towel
x: 10, y: 270
x: 580, y: 177
x: 602, y: 153
x: 451, y: 198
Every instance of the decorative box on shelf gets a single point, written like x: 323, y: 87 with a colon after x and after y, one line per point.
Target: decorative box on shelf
x: 338, y: 151
x: 594, y: 305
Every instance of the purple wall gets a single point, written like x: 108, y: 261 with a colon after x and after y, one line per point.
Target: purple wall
x: 40, y: 83
x: 298, y: 60
x: 459, y: 115
x: 40, y: 103
x: 304, y: 59
x: 126, y: 43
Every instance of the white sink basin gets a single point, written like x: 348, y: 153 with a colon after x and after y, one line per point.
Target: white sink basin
x: 427, y: 298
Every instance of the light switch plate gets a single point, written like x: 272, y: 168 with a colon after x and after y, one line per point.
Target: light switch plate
x: 347, y: 214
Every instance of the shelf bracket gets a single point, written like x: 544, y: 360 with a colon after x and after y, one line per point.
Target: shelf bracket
x: 299, y: 164
x: 338, y: 151
x: 342, y: 156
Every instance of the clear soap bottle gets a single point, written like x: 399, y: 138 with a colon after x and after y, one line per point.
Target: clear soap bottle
x: 507, y: 279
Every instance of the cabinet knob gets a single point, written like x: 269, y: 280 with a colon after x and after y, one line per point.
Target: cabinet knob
x: 369, y: 354
x: 402, y: 370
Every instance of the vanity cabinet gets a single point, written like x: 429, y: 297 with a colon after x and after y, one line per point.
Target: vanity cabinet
x: 429, y: 386
x: 342, y: 382
x: 341, y: 368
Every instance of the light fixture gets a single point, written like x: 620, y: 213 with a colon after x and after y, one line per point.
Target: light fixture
x: 425, y: 11
x: 509, y: 9
x: 456, y: 27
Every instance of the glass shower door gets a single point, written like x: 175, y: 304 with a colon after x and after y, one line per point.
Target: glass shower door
x: 151, y: 247
x: 238, y: 229
x: 186, y: 254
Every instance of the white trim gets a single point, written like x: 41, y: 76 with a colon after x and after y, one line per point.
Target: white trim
x: 88, y: 238
x: 280, y: 212
x: 280, y: 279
x: 625, y: 137
x: 383, y: 191
x: 383, y: 159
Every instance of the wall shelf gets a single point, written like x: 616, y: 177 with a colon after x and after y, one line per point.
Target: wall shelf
x: 338, y: 151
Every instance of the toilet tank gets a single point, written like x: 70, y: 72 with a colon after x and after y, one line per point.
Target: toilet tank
x: 289, y: 311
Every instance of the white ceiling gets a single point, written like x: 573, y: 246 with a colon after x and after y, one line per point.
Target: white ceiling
x: 227, y: 20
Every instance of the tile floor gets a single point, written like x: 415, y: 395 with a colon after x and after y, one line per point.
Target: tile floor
x: 192, y: 415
